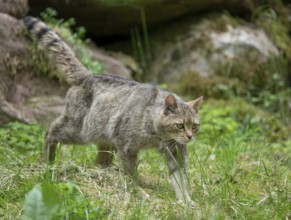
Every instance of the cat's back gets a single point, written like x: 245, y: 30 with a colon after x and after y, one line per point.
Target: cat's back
x: 112, y: 82
x: 114, y: 93
x: 118, y: 89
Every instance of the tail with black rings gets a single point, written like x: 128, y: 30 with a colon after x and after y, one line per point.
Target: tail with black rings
x: 66, y: 62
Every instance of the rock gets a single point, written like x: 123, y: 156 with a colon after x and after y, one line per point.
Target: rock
x: 106, y: 18
x: 29, y: 89
x: 116, y: 62
x: 11, y: 49
x: 196, y: 53
x: 15, y: 8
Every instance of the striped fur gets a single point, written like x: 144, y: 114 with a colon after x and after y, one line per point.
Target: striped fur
x: 118, y: 114
x: 66, y: 62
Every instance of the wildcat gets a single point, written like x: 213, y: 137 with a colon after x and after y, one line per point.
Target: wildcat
x: 118, y: 113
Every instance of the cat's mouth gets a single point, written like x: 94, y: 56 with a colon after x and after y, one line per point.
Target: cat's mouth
x: 178, y: 140
x: 183, y: 141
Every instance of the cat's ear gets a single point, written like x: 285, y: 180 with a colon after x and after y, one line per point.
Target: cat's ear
x: 170, y: 104
x: 195, y: 103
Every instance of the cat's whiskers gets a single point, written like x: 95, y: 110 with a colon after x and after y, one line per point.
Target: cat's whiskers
x: 172, y: 143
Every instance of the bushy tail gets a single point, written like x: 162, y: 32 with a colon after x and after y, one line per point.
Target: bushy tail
x: 66, y: 61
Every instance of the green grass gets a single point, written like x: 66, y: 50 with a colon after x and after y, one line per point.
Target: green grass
x: 236, y: 171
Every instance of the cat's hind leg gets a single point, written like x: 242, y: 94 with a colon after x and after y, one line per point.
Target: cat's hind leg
x: 105, y: 154
x: 49, y: 149
x: 60, y: 131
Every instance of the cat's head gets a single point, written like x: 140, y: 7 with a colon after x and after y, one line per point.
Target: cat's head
x: 179, y: 120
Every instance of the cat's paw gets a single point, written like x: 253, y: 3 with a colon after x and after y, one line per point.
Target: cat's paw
x: 189, y: 203
x: 192, y: 204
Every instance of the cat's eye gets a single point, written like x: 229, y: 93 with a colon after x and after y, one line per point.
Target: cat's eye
x: 180, y: 126
x: 195, y: 126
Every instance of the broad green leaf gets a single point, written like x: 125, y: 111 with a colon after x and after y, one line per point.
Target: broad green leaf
x: 41, y: 203
x: 33, y: 206
x: 50, y: 199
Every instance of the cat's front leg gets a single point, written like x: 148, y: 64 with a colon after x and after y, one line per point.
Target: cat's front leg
x: 176, y: 157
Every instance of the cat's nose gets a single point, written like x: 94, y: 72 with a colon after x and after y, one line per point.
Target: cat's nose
x: 189, y: 137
